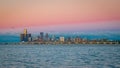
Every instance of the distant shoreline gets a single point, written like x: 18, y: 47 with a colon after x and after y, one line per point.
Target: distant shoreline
x: 25, y: 43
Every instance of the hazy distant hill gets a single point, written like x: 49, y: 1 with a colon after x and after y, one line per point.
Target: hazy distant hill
x: 9, y: 38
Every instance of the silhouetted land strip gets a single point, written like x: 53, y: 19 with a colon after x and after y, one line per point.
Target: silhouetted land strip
x: 26, y: 43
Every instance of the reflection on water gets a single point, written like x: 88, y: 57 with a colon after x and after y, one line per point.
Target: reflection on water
x: 60, y: 56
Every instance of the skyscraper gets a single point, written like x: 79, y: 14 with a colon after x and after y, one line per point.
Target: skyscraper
x: 42, y: 36
x: 28, y: 37
x: 46, y: 36
x: 21, y: 37
x: 25, y: 31
x: 24, y: 36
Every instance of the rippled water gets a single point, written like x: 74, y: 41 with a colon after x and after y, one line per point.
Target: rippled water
x: 60, y: 56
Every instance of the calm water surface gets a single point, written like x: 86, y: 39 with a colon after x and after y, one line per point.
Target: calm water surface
x: 60, y: 56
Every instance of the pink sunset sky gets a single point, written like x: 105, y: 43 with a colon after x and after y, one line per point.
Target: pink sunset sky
x: 66, y: 15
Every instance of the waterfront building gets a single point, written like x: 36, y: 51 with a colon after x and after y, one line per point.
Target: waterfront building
x: 21, y: 37
x: 93, y: 40
x: 42, y: 36
x: 56, y: 38
x: 30, y: 39
x: 46, y: 37
x: 53, y: 38
x: 84, y: 40
x: 61, y: 39
x: 38, y: 39
x: 77, y: 39
x: 28, y: 35
x: 103, y: 40
x: 68, y: 39
x: 34, y: 38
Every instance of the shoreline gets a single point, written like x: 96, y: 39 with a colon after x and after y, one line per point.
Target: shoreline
x: 54, y: 43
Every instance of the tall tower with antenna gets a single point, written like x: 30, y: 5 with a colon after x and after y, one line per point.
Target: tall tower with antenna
x: 25, y: 31
x: 25, y: 36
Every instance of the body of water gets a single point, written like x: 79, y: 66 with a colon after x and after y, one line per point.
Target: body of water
x: 60, y: 56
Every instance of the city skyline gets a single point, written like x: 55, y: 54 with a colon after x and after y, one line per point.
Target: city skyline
x: 26, y: 35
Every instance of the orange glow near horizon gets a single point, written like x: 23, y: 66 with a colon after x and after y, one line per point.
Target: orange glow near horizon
x: 20, y: 13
